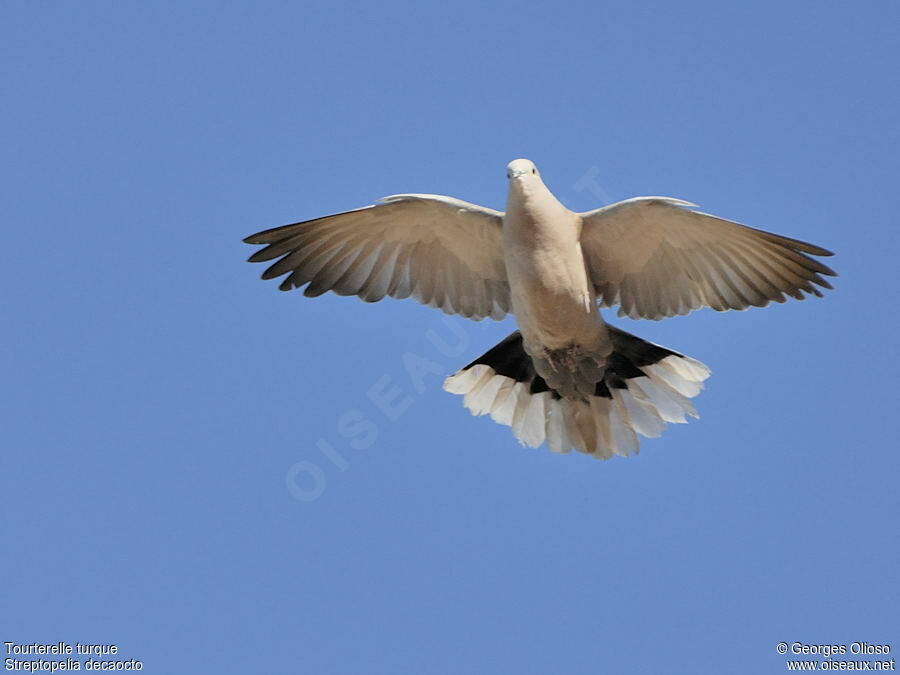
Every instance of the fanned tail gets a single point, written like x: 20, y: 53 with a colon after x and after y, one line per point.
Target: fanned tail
x: 644, y: 386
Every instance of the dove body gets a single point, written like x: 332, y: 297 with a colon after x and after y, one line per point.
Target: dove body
x: 553, y: 300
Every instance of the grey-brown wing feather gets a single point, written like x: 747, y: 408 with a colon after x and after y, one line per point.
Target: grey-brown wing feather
x: 441, y: 251
x: 654, y: 257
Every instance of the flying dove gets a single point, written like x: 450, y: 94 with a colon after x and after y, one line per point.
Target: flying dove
x: 566, y: 376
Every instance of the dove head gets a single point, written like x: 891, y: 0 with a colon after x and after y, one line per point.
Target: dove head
x: 521, y: 167
x: 527, y: 192
x: 525, y: 182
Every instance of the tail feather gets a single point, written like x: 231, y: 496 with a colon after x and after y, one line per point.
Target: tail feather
x: 643, y: 387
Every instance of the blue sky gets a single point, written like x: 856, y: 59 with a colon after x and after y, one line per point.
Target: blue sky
x: 157, y: 395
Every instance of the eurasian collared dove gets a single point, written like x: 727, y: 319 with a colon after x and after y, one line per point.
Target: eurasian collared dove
x: 565, y: 376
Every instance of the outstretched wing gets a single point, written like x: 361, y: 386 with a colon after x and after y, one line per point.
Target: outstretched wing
x: 655, y: 257
x: 443, y: 252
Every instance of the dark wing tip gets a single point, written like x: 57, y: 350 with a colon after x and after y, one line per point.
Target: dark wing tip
x: 258, y: 256
x: 820, y: 267
x: 276, y: 234
x: 264, y: 236
x: 810, y: 249
x: 828, y: 271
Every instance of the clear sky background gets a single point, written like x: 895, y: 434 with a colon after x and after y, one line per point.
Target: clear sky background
x: 165, y: 413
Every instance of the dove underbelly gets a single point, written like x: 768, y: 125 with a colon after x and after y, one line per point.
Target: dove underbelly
x: 553, y: 301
